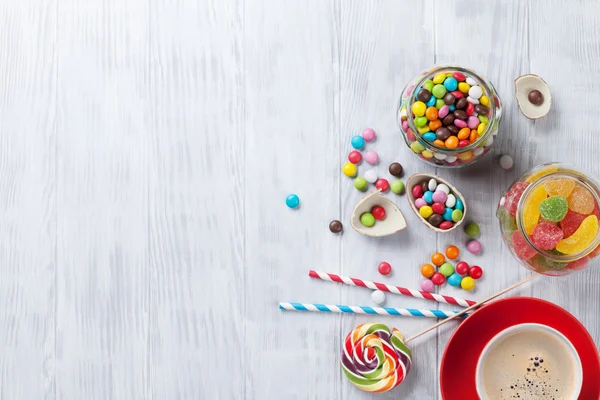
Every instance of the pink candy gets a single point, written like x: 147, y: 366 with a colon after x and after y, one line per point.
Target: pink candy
x: 521, y: 247
x: 460, y: 123
x: 371, y: 157
x: 443, y: 112
x: 472, y: 122
x: 474, y: 246
x: 427, y: 285
x: 405, y: 125
x: 420, y: 202
x: 546, y: 236
x: 369, y: 134
x: 439, y: 197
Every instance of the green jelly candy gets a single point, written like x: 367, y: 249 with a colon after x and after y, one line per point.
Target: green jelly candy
x: 367, y: 219
x: 457, y: 215
x: 439, y: 103
x: 446, y: 269
x: 421, y: 121
x: 554, y: 208
x: 428, y: 85
x: 397, y: 186
x: 360, y: 183
x: 439, y: 91
x: 472, y: 230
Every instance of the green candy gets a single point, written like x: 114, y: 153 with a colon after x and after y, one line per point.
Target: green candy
x: 554, y: 208
x: 367, y: 219
x: 472, y: 230
x: 457, y: 215
x: 428, y: 85
x: 397, y: 186
x: 421, y: 121
x: 439, y: 91
x: 439, y: 103
x: 417, y: 147
x: 360, y: 183
x: 483, y: 119
x: 446, y: 269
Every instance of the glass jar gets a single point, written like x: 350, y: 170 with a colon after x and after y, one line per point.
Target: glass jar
x: 448, y: 152
x: 549, y: 219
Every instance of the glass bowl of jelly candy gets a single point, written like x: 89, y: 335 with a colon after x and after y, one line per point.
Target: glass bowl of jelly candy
x: 449, y: 116
x: 549, y: 219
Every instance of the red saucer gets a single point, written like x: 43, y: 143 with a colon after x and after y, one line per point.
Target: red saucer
x: 457, y: 372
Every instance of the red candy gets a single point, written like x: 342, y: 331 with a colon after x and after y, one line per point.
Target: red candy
x: 475, y: 272
x: 438, y: 279
x: 578, y: 264
x: 446, y: 225
x: 571, y: 222
x: 355, y: 157
x: 382, y: 184
x: 596, y: 211
x: 464, y: 142
x: 522, y: 248
x: 546, y: 236
x: 378, y: 212
x: 470, y: 108
x: 417, y: 191
x: 512, y: 197
x: 384, y: 268
x: 458, y: 94
x: 438, y: 208
x: 462, y: 268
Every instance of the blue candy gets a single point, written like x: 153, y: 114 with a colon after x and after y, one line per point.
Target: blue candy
x: 448, y: 214
x: 428, y: 197
x: 429, y: 136
x: 357, y: 142
x: 451, y: 84
x: 431, y: 101
x: 454, y: 279
x: 459, y: 205
x: 292, y: 201
x: 452, y: 108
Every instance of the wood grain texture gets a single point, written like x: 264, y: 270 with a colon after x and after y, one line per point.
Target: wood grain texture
x: 147, y: 149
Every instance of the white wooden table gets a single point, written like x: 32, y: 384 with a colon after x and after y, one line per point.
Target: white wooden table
x: 147, y: 147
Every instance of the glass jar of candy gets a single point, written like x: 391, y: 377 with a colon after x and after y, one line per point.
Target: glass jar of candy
x: 549, y: 219
x: 449, y: 116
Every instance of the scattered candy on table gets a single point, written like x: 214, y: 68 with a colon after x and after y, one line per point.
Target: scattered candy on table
x: 367, y: 219
x: 360, y: 183
x: 427, y: 285
x: 378, y: 297
x: 438, y: 279
x: 474, y: 246
x: 368, y: 134
x: 357, y: 142
x: 506, y: 162
x: 355, y: 157
x: 384, y: 268
x: 336, y: 226
x: 472, y: 230
x: 397, y: 186
x: 437, y: 205
x: 371, y: 157
x: 454, y: 279
x: 292, y: 201
x: 446, y: 269
x: 395, y: 169
x: 349, y: 169
x: 438, y: 259
x: 371, y: 176
x: 467, y: 283
x: 452, y: 252
x: 427, y: 270
x: 382, y: 184
x: 475, y: 272
x: 462, y: 268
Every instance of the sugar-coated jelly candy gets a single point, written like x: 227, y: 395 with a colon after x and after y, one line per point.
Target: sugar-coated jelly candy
x: 512, y: 197
x: 542, y: 172
x: 578, y: 264
x: 554, y: 208
x: 545, y: 236
x: 582, y: 238
x: 571, y: 222
x: 531, y: 214
x: 559, y: 187
x: 581, y: 200
x: 522, y: 248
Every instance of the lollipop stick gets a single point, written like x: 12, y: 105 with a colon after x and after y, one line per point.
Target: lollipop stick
x: 473, y: 306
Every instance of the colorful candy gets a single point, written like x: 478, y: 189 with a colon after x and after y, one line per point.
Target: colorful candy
x: 395, y: 169
x: 438, y: 279
x: 446, y: 269
x: 360, y: 183
x: 427, y: 270
x: 462, y: 268
x: 349, y: 169
x: 371, y: 176
x: 292, y: 201
x: 438, y: 259
x: 467, y: 283
x: 472, y: 230
x: 355, y: 157
x: 452, y: 252
x: 371, y: 157
x: 436, y: 204
x: 336, y: 226
x: 454, y: 279
x: 384, y: 268
x: 546, y: 236
x: 397, y: 186
x: 555, y: 208
x: 581, y: 239
x: 427, y: 286
x: 378, y: 297
x: 581, y: 201
x: 474, y: 246
x: 357, y: 142
x: 475, y: 272
x: 382, y: 184
x: 368, y: 134
x: 378, y: 213
x: 367, y: 219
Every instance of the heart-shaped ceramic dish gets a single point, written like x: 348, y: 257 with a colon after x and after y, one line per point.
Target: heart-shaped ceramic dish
x: 394, y: 219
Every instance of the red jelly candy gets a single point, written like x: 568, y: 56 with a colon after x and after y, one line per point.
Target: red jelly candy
x: 570, y: 223
x: 546, y: 236
x: 378, y: 212
x: 438, y: 208
x: 470, y: 108
x: 596, y: 212
x: 475, y: 272
x: 446, y: 225
x: 417, y: 191
x: 512, y: 197
x: 438, y: 279
x: 521, y: 247
x: 462, y: 268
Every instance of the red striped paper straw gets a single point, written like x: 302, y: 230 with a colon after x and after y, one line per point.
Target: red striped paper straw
x: 390, y: 288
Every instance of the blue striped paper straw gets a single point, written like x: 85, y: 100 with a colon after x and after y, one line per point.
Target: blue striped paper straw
x: 405, y: 312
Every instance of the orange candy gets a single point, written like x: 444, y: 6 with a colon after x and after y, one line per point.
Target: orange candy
x: 427, y: 270
x: 435, y: 124
x: 438, y: 259
x: 464, y: 133
x: 431, y: 113
x: 439, y: 143
x: 451, y: 142
x: 473, y: 137
x: 452, y: 252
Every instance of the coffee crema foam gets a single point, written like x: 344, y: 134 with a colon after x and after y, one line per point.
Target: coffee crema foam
x: 529, y: 365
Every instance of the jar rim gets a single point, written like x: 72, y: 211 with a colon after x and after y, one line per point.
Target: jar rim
x: 564, y: 174
x: 438, y: 68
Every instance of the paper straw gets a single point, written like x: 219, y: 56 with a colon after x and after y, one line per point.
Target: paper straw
x: 391, y: 288
x: 331, y: 308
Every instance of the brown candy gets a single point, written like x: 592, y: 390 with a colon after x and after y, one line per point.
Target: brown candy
x: 395, y: 168
x: 448, y: 119
x: 454, y: 129
x: 535, y: 97
x: 460, y: 114
x: 435, y: 220
x: 449, y: 99
x: 443, y: 133
x: 425, y: 186
x: 424, y: 95
x: 481, y: 109
x: 336, y: 226
x: 462, y: 103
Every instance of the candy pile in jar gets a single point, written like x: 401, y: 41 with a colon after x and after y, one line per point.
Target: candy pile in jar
x: 450, y: 112
x: 437, y: 204
x: 560, y: 217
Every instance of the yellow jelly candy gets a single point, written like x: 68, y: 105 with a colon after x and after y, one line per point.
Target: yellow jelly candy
x: 531, y: 213
x: 349, y: 169
x: 582, y: 238
x: 581, y: 201
x: 559, y: 187
x: 542, y: 172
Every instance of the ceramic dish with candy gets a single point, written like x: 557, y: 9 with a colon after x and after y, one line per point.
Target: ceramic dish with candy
x: 449, y: 116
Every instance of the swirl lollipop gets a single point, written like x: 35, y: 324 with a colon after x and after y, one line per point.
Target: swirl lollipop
x: 375, y: 359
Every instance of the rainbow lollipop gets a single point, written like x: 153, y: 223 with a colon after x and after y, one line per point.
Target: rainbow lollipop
x: 375, y: 359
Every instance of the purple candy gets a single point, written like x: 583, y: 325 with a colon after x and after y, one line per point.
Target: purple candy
x: 472, y: 122
x: 439, y: 197
x: 420, y: 202
x: 460, y: 123
x: 443, y: 112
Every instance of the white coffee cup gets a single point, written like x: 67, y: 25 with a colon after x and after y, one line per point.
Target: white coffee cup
x: 496, y: 340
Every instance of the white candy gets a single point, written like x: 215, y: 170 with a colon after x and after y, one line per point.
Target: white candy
x: 451, y: 159
x: 489, y: 141
x: 432, y: 184
x: 471, y: 81
x: 371, y: 176
x: 506, y: 161
x: 450, y: 201
x: 472, y: 100
x: 440, y: 156
x: 443, y: 188
x: 478, y: 151
x: 475, y: 92
x: 378, y: 297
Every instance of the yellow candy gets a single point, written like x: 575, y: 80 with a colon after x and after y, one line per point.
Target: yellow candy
x: 559, y: 187
x: 425, y: 211
x: 418, y: 108
x: 416, y: 147
x: 466, y: 155
x: 542, y: 172
x: 581, y: 239
x: 403, y: 113
x: 448, y: 75
x: 485, y: 101
x: 349, y: 169
x: 467, y: 283
x: 464, y: 87
x: 481, y: 128
x: 581, y: 201
x: 531, y: 213
x: 423, y: 129
x: 439, y: 78
x: 427, y: 154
